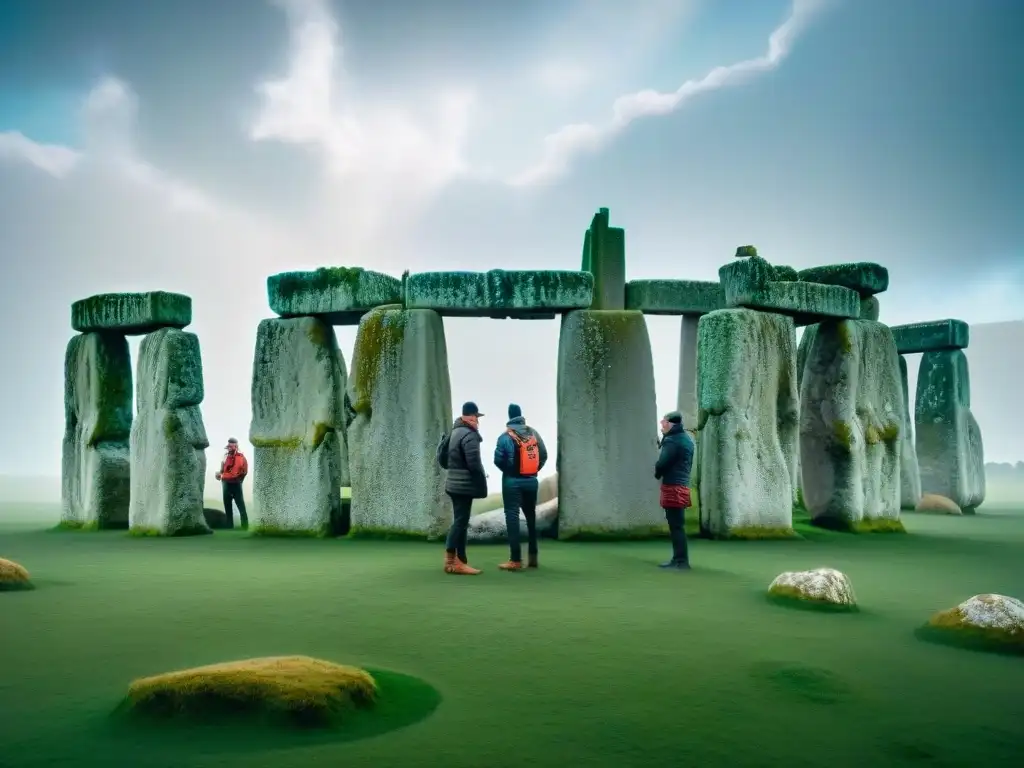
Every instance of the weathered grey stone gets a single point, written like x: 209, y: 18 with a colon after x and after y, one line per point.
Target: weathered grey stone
x: 131, y: 314
x: 686, y: 401
x: 864, y: 277
x: 97, y: 424
x: 752, y: 283
x: 491, y: 526
x: 168, y: 439
x: 338, y: 295
x: 851, y: 416
x: 607, y: 427
x: 674, y: 297
x: 950, y: 451
x: 910, y: 473
x: 931, y: 337
x: 746, y: 391
x: 300, y: 458
x: 604, y: 255
x: 401, y: 395
x: 500, y: 293
x: 870, y: 308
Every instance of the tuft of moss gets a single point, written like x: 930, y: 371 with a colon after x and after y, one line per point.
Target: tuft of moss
x: 140, y: 532
x: 76, y: 526
x: 845, y: 331
x: 14, y: 576
x: 381, y: 334
x: 873, y: 525
x: 297, y: 690
x: 746, y: 252
x: 276, y: 442
x: 794, y: 598
x: 842, y: 434
x: 890, y: 433
x: 277, y: 532
x: 385, y: 534
x: 951, y: 628
x: 872, y: 436
x: 595, y: 533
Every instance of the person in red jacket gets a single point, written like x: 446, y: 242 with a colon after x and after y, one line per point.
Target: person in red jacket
x: 232, y: 473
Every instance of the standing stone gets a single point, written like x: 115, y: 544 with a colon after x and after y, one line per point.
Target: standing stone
x: 746, y: 390
x: 949, y: 446
x: 297, y: 431
x: 95, y: 484
x: 607, y: 427
x: 401, y: 395
x: 168, y: 440
x: 604, y: 255
x: 910, y: 473
x: 851, y: 417
x: 687, y: 398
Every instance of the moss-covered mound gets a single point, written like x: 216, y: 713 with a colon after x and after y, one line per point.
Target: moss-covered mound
x: 298, y: 690
x: 131, y: 313
x: 935, y: 336
x: 824, y: 589
x: 340, y: 295
x: 864, y: 277
x: 13, y: 576
x: 986, y: 622
x: 674, y: 297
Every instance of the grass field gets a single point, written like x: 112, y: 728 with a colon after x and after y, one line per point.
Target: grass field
x: 596, y: 659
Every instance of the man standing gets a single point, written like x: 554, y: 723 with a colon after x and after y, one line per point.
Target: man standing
x: 232, y: 474
x: 673, y: 469
x: 459, y: 453
x: 520, y: 454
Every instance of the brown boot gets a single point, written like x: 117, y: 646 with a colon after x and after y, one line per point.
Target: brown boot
x: 511, y: 565
x: 449, y: 562
x: 531, y: 561
x: 461, y: 569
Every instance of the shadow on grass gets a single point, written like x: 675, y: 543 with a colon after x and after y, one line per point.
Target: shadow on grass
x: 969, y: 639
x: 817, y: 606
x: 403, y: 700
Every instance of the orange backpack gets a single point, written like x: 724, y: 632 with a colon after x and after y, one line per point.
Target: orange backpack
x: 528, y: 455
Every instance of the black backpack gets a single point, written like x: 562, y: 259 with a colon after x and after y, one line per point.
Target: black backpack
x: 442, y: 450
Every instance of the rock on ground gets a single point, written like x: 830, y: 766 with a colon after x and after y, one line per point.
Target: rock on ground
x: 950, y: 451
x: 931, y: 502
x: 400, y: 392
x: 298, y: 426
x: 13, y: 576
x: 746, y: 390
x: 910, y: 473
x: 131, y: 314
x: 168, y: 438
x: 607, y: 427
x: 851, y: 416
x: 491, y: 526
x: 338, y: 295
x: 995, y: 617
x: 819, y: 585
x: 95, y: 468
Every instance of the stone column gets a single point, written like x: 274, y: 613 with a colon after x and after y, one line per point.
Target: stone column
x: 687, y: 398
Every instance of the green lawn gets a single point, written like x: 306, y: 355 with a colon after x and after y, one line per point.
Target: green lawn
x: 597, y: 659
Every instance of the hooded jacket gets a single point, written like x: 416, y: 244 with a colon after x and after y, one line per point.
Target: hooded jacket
x: 505, y: 450
x: 676, y: 458
x: 466, y: 476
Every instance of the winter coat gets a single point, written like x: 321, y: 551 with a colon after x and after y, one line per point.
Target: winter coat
x: 676, y: 458
x: 466, y: 476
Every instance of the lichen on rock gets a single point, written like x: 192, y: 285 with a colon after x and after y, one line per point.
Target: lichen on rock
x: 674, y: 297
x: 95, y: 468
x: 131, y: 314
x: 935, y: 336
x: 300, y: 456
x: 747, y: 398
x: 910, y: 473
x: 168, y: 438
x: 401, y: 395
x: 824, y: 588
x: 338, y: 295
x: 753, y: 283
x: 950, y: 451
x: 988, y: 621
x: 851, y: 417
x: 870, y: 309
x: 604, y: 256
x: 607, y: 416
x: 499, y: 293
x: 864, y: 277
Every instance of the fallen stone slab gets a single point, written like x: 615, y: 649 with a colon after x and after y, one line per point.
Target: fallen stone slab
x: 338, y: 295
x: 747, y: 422
x: 752, y: 283
x: 492, y: 526
x: 604, y: 256
x: 95, y: 468
x: 500, y: 293
x: 300, y: 459
x: 131, y: 314
x: 936, y: 336
x: 674, y: 297
x: 864, y: 277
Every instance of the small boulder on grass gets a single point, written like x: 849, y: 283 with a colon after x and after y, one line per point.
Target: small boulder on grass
x: 297, y: 690
x: 13, y: 576
x: 986, y: 622
x: 820, y: 588
x: 932, y: 502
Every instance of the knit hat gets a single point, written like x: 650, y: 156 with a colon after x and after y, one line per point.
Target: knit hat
x: 514, y: 411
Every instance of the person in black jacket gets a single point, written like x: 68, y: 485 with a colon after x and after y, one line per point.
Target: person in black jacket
x: 466, y: 481
x: 673, y: 469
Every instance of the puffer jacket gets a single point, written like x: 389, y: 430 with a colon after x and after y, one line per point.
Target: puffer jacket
x: 466, y: 476
x: 505, y: 450
x: 676, y: 458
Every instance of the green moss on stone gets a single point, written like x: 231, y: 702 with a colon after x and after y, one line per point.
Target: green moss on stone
x: 845, y: 332
x: 146, y: 533
x: 752, y: 283
x: 320, y: 432
x: 746, y: 252
x: 756, y: 533
x: 842, y: 434
x: 385, y: 534
x: 276, y: 532
x: 785, y: 274
x: 381, y: 334
x: 674, y: 297
x: 951, y: 628
x: 890, y: 433
x: 500, y: 293
x: 866, y: 278
x: 936, y: 336
x: 276, y: 442
x: 876, y: 525
x: 791, y: 597
x: 600, y: 332
x: 339, y: 294
x: 605, y: 257
x: 143, y: 533
x: 595, y: 533
x: 75, y: 526
x: 872, y: 436
x: 131, y: 313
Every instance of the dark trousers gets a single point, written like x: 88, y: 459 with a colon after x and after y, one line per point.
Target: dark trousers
x: 675, y: 518
x: 462, y: 507
x: 520, y: 493
x: 233, y: 493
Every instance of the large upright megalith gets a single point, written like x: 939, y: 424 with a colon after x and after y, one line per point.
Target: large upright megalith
x: 746, y: 390
x: 604, y: 256
x: 97, y: 425
x: 851, y: 419
x: 910, y: 472
x: 168, y: 439
x: 298, y: 427
x: 401, y: 395
x: 607, y: 427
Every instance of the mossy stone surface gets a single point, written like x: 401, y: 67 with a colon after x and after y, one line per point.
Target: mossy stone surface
x: 131, y: 314
x: 864, y: 277
x: 936, y: 336
x: 674, y: 297
x: 500, y: 293
x: 752, y: 283
x: 604, y: 255
x: 338, y: 295
x: 870, y: 309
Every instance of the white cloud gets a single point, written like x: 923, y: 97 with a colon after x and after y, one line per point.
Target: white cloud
x: 565, y: 144
x: 54, y: 159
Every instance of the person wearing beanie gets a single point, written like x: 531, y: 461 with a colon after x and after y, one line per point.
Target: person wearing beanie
x: 520, y: 454
x: 459, y: 453
x: 673, y: 469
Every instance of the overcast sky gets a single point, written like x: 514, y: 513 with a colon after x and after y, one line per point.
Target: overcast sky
x: 199, y: 147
